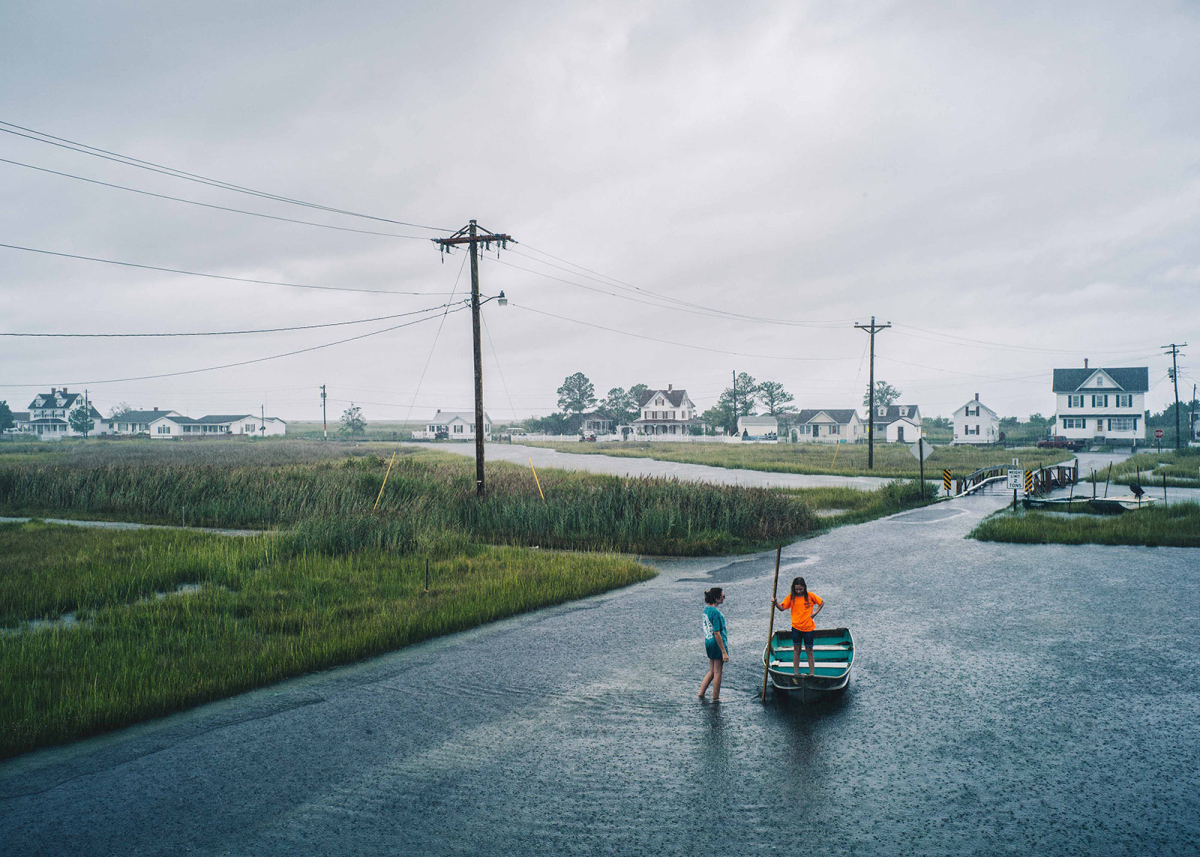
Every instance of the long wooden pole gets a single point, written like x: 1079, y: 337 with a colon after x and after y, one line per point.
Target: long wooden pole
x: 384, y: 485
x: 771, y: 624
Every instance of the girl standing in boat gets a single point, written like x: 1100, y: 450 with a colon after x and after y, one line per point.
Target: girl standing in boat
x: 715, y: 638
x: 800, y: 601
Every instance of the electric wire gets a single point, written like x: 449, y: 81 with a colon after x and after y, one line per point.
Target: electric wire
x: 129, y: 161
x: 214, y: 276
x: 248, y: 362
x: 228, y: 332
x: 436, y: 337
x: 209, y: 204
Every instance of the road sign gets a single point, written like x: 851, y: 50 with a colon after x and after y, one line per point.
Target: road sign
x: 921, y: 450
x: 1028, y: 481
x: 1016, y: 479
x: 946, y: 480
x: 1158, y: 434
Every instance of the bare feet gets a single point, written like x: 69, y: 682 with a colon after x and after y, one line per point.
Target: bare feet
x: 700, y: 695
x: 716, y: 699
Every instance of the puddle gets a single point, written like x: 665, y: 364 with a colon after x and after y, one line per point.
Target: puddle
x: 745, y: 569
x: 925, y: 516
x: 69, y: 620
x: 831, y: 513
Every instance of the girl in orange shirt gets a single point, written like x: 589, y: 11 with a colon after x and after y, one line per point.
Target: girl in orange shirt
x: 801, y: 602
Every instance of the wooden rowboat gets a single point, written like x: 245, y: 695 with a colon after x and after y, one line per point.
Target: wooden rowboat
x: 833, y: 650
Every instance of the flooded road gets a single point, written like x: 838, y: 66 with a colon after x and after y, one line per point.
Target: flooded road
x: 1006, y: 699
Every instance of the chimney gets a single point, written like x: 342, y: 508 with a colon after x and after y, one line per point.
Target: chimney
x: 53, y: 391
x: 1085, y: 363
x: 977, y: 397
x: 668, y: 388
x: 64, y: 391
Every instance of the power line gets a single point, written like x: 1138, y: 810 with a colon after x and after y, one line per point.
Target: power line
x: 116, y: 157
x: 213, y: 276
x: 228, y: 332
x: 207, y: 204
x: 245, y: 362
x: 954, y: 339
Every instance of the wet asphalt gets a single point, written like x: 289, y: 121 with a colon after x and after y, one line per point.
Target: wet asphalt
x: 1006, y: 699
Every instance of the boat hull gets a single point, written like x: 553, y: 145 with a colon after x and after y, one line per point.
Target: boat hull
x: 834, y: 655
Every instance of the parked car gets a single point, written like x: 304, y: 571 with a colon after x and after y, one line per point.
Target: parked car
x: 1061, y: 442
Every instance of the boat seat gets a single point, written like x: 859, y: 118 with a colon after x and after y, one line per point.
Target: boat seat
x: 842, y: 648
x: 827, y: 665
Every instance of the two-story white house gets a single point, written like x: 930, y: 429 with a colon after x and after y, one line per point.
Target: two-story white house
x: 454, y: 425
x: 898, y: 423
x: 828, y: 425
x: 668, y: 411
x: 975, y: 422
x: 1101, y: 404
x: 50, y: 414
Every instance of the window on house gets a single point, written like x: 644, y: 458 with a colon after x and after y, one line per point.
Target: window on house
x: 835, y: 429
x: 1074, y: 423
x: 458, y: 429
x: 1121, y: 424
x: 904, y: 412
x: 883, y: 412
x: 1074, y: 401
x: 1100, y: 401
x: 1124, y: 400
x: 1099, y: 425
x: 164, y: 429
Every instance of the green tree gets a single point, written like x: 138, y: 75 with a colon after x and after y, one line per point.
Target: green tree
x: 885, y: 394
x: 554, y: 424
x: 81, y: 421
x: 637, y: 391
x: 353, y: 423
x: 577, y: 394
x: 775, y: 399
x: 119, y: 410
x: 620, y: 406
x: 6, y: 417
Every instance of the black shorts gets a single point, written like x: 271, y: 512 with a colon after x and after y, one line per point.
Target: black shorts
x: 806, y: 636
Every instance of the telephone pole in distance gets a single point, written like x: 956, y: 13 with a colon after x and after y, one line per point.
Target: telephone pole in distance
x: 473, y: 236
x: 872, y: 329
x: 1173, y: 350
x: 324, y: 421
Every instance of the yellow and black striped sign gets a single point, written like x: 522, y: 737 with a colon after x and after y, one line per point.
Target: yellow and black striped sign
x: 1028, y: 481
x: 946, y: 479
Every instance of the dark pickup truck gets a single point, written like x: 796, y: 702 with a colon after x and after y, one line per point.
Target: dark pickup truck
x: 1060, y: 442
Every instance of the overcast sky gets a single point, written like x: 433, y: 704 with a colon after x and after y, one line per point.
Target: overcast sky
x: 1013, y: 186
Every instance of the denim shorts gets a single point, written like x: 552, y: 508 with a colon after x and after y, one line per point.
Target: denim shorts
x: 806, y: 636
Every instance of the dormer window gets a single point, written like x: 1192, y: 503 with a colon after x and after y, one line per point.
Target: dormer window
x: 904, y: 412
x: 883, y: 412
x: 659, y: 400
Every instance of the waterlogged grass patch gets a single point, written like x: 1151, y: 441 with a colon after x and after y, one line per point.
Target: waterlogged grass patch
x: 1177, y: 525
x: 251, y: 612
x: 1180, y: 467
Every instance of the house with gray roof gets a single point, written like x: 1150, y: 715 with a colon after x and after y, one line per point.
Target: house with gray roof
x: 897, y: 423
x: 454, y: 425
x: 216, y: 425
x: 1105, y: 405
x: 665, y: 412
x: 50, y: 414
x: 828, y: 425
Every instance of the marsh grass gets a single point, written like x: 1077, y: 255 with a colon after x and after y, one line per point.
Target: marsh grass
x: 1180, y: 467
x: 1177, y: 525
x: 265, y: 609
x: 891, y: 459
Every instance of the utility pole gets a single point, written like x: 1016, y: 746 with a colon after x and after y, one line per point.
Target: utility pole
x: 324, y: 422
x: 1173, y: 350
x: 735, y: 407
x: 872, y: 329
x: 262, y: 428
x: 87, y: 413
x: 1192, y: 416
x: 473, y: 236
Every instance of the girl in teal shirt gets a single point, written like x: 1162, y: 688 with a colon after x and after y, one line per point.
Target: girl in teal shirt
x: 715, y: 641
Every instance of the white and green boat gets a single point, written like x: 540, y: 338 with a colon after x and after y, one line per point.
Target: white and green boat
x: 833, y: 651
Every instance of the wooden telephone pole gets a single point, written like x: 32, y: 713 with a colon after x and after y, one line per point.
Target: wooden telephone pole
x: 872, y: 329
x: 324, y: 421
x: 1173, y: 350
x: 473, y: 236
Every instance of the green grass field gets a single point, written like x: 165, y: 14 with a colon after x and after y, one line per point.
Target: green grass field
x: 1180, y: 467
x: 253, y: 611
x: 891, y: 459
x: 1177, y: 525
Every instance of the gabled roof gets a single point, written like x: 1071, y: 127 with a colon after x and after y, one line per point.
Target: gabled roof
x: 1129, y: 379
x: 980, y: 404
x: 675, y: 397
x: 841, y: 416
x: 56, y: 399
x: 228, y: 418
x: 143, y: 416
x: 467, y: 417
x: 20, y: 416
x: 893, y: 414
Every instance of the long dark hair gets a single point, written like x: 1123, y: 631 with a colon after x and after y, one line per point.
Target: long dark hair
x: 803, y: 585
x: 711, y: 596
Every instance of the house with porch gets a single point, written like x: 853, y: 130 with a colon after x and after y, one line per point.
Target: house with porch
x: 668, y: 412
x: 454, y: 425
x: 50, y: 414
x: 596, y: 424
x: 976, y: 423
x: 765, y: 427
x: 216, y: 425
x: 897, y: 423
x: 1106, y: 405
x: 828, y: 425
x: 139, y: 422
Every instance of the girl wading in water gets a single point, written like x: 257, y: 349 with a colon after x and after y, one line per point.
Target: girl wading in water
x: 715, y: 641
x: 801, y: 602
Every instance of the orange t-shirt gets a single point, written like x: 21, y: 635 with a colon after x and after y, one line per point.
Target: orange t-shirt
x: 802, y: 619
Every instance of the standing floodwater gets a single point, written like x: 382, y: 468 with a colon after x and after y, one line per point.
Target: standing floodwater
x: 1006, y: 699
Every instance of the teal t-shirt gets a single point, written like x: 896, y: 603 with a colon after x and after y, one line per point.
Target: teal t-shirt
x: 713, y: 621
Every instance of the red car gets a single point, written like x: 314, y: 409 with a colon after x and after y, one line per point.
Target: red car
x: 1061, y: 442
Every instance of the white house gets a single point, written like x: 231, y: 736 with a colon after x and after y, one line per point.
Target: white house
x: 50, y: 414
x: 765, y: 427
x: 975, y: 422
x: 454, y: 425
x: 668, y: 411
x: 1101, y: 404
x: 216, y: 425
x: 898, y: 423
x: 139, y: 422
x: 828, y: 425
x: 596, y: 424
